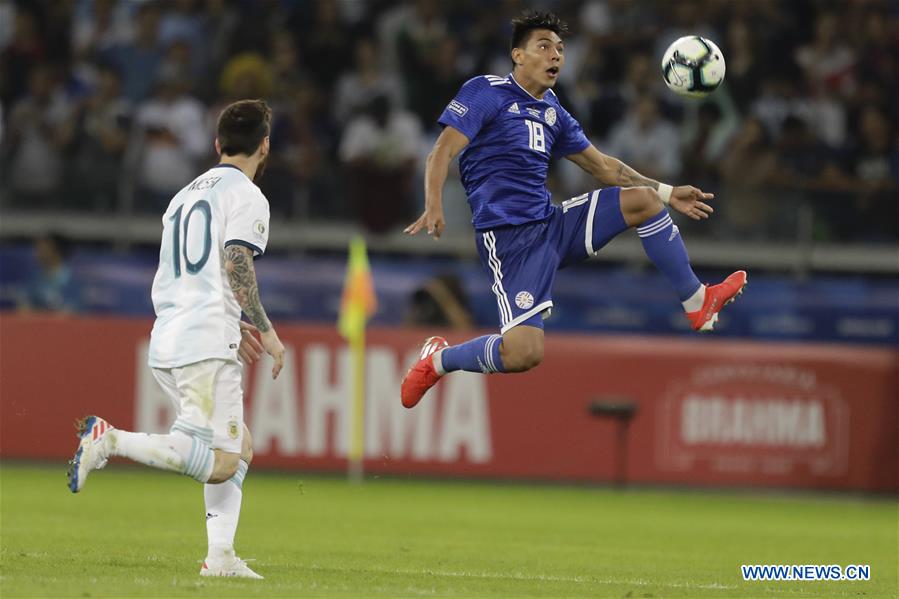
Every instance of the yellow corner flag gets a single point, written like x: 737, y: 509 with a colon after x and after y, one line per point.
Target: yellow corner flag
x: 356, y: 307
x: 358, y: 302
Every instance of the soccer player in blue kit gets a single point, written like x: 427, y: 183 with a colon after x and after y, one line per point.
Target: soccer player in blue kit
x: 505, y: 130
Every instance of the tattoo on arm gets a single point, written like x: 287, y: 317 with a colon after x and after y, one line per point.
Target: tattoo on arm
x: 242, y: 276
x: 628, y: 177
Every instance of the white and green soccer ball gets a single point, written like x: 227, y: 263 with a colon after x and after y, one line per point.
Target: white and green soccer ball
x: 693, y: 66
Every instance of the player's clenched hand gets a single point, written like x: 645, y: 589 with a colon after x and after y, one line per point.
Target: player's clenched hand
x: 688, y: 200
x: 250, y: 349
x: 275, y: 349
x: 432, y: 220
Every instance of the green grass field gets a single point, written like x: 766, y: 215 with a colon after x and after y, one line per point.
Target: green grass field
x: 135, y: 532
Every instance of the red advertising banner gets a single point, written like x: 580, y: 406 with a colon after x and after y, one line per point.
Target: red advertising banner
x: 708, y: 412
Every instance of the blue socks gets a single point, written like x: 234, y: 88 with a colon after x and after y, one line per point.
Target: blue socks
x: 664, y: 246
x: 478, y: 355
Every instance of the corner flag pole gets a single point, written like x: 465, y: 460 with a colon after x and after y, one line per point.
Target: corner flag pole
x: 355, y: 468
x: 357, y: 305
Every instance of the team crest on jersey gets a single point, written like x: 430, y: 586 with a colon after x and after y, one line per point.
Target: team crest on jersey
x: 550, y: 116
x: 514, y: 108
x: 457, y: 107
x: 232, y: 429
x: 259, y: 229
x: 524, y: 300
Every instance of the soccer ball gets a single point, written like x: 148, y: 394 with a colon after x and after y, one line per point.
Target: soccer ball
x: 693, y: 66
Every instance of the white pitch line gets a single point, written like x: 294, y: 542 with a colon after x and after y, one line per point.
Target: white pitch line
x: 533, y: 577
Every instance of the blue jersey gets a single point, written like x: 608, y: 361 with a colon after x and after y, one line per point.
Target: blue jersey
x: 512, y: 137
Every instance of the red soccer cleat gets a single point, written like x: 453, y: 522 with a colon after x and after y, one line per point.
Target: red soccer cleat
x: 422, y: 376
x: 716, y: 297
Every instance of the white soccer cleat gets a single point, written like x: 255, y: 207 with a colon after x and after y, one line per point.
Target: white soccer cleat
x: 227, y: 564
x: 92, y: 450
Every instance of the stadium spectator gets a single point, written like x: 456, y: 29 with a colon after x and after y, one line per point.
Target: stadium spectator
x: 138, y: 60
x: 220, y: 22
x: 744, y: 68
x: 418, y: 43
x: 52, y: 287
x: 298, y: 167
x: 379, y: 150
x: 803, y: 160
x: 440, y: 302
x: 172, y: 141
x: 323, y: 36
x: 810, y: 171
x: 746, y: 169
x: 828, y: 61
x: 7, y: 18
x: 288, y: 71
x: 245, y: 75
x: 706, y: 131
x: 357, y: 88
x: 99, y: 26
x: 183, y: 22
x: 38, y: 134
x: 176, y: 62
x: 438, y: 82
x: 101, y: 125
x: 873, y: 169
x: 611, y: 102
x: 777, y: 101
x: 647, y: 142
x: 25, y: 53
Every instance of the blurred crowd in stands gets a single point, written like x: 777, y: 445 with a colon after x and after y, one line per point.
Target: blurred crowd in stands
x: 110, y: 105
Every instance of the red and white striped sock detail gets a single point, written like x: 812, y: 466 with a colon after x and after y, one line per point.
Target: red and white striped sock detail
x: 100, y: 427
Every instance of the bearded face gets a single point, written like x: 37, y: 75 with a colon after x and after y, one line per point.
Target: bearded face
x: 261, y: 168
x: 264, y: 149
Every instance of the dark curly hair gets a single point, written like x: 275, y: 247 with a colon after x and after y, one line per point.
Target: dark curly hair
x: 243, y: 125
x: 529, y: 20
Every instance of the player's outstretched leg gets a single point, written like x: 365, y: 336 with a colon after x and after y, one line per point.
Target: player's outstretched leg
x: 176, y: 452
x: 663, y: 244
x: 92, y: 453
x: 223, y: 501
x: 520, y: 349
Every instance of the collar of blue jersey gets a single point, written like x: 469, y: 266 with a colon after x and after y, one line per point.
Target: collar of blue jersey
x: 512, y: 77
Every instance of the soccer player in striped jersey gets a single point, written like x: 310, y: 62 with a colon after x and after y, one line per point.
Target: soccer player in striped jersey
x: 505, y: 130
x: 212, y: 231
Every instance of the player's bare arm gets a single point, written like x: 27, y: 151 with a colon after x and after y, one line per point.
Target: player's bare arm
x: 608, y: 170
x: 447, y: 147
x: 242, y: 277
x: 250, y: 350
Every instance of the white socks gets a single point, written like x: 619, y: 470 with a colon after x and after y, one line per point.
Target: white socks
x: 223, y: 511
x: 437, y: 360
x: 178, y: 452
x: 175, y: 452
x: 694, y: 302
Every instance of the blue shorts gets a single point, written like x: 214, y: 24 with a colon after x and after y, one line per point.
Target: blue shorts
x: 522, y: 260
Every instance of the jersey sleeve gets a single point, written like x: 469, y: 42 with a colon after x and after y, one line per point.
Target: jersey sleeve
x: 572, y: 139
x: 247, y: 221
x: 474, y: 106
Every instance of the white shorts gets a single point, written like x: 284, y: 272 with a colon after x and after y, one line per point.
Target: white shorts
x: 208, y: 399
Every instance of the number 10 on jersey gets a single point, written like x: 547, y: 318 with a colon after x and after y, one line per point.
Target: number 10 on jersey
x: 178, y: 249
x: 536, y: 139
